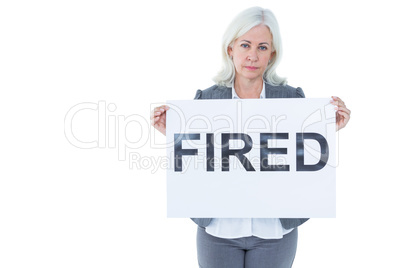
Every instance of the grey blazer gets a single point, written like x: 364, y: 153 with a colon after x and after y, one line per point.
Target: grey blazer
x: 222, y: 92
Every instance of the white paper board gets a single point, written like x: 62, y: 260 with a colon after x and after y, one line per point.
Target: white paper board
x: 284, y: 189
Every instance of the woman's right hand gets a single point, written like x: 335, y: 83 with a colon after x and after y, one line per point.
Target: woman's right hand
x: 158, y: 118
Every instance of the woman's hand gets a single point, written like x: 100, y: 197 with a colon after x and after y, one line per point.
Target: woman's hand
x: 158, y: 118
x: 342, y: 113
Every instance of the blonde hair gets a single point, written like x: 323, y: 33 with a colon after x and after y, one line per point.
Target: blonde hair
x: 240, y: 25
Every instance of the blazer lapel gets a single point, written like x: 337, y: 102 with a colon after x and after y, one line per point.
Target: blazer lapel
x: 268, y: 91
x: 222, y: 93
x: 276, y: 91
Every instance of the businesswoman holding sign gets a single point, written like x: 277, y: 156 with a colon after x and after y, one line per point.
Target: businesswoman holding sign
x: 252, y: 51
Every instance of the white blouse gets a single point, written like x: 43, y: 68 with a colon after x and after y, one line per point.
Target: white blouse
x: 266, y: 228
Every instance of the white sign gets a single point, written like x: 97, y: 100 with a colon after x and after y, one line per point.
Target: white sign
x: 251, y: 158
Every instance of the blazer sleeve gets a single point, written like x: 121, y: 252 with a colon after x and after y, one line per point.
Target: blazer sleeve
x: 198, y: 94
x: 299, y: 93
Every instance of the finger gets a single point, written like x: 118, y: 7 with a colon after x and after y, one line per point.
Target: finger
x: 154, y: 114
x: 154, y: 120
x: 338, y: 103
x: 344, y: 118
x: 344, y: 109
x: 166, y: 107
x: 335, y: 102
x: 160, y: 108
x: 155, y: 110
x: 340, y: 106
x: 338, y: 100
x: 344, y: 114
x: 163, y: 108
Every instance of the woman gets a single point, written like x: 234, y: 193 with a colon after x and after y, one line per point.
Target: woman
x: 251, y: 52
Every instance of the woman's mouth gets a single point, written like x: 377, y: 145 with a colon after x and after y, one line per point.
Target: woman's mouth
x: 251, y: 68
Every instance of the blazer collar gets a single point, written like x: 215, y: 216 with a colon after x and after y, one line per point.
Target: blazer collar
x: 223, y: 92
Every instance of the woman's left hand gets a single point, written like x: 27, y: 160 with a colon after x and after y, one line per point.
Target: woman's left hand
x: 342, y: 113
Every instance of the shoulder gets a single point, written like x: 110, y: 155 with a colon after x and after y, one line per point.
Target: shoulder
x: 214, y: 92
x: 283, y: 91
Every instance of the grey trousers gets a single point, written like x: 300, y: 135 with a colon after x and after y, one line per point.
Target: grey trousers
x: 246, y: 252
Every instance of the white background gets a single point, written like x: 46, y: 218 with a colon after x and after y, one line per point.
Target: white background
x: 62, y: 206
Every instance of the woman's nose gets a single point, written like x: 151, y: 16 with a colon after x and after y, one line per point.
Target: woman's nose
x: 252, y: 56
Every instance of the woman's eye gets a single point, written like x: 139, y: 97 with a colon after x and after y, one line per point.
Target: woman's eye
x: 263, y: 48
x: 244, y: 45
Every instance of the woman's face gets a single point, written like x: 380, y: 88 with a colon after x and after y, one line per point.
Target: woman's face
x: 251, y: 53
